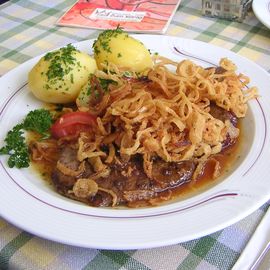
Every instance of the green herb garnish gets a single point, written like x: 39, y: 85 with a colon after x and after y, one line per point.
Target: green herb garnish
x: 16, y: 148
x: 61, y: 62
x: 39, y: 121
x: 105, y: 83
x: 104, y: 39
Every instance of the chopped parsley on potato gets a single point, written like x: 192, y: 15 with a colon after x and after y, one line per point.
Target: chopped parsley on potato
x: 126, y: 52
x: 59, y: 76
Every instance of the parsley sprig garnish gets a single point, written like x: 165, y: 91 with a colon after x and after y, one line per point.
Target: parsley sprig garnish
x: 39, y: 121
x: 16, y: 148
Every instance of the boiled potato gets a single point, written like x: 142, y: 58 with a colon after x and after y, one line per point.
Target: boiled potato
x: 83, y: 99
x: 59, y: 76
x: 119, y: 48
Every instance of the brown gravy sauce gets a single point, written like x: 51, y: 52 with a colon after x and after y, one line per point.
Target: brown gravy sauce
x: 206, y: 181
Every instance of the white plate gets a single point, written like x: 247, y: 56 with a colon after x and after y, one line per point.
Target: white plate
x: 27, y: 202
x: 261, y: 9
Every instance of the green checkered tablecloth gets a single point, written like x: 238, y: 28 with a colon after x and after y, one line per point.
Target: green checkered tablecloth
x: 27, y: 29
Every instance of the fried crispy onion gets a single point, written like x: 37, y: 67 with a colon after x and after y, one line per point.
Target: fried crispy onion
x: 44, y: 150
x: 168, y: 115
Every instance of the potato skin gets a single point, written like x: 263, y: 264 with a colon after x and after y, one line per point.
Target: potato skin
x: 70, y: 75
x: 119, y: 48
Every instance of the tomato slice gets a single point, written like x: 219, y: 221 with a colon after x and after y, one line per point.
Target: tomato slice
x: 72, y: 123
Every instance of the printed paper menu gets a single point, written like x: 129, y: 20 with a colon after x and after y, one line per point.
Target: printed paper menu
x: 130, y: 15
